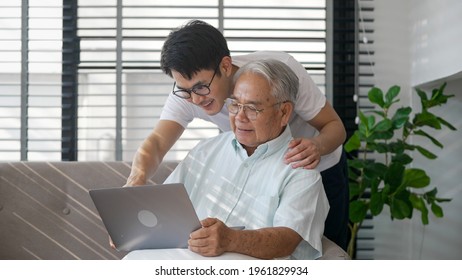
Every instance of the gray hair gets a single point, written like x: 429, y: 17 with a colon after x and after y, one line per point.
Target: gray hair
x: 281, y: 79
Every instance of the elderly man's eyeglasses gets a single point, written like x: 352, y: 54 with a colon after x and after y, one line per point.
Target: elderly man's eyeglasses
x: 250, y: 111
x: 200, y: 89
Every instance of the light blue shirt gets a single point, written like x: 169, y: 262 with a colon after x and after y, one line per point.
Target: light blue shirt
x: 257, y: 191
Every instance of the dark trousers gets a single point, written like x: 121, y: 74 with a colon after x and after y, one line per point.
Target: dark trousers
x: 335, y: 180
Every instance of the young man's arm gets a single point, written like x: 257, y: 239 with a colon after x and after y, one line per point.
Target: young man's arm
x: 215, y: 238
x: 153, y: 149
x: 307, y: 152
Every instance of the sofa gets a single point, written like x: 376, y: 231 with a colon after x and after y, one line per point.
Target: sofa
x: 47, y: 213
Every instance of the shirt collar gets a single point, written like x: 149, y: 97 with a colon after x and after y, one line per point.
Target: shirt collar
x: 269, y: 147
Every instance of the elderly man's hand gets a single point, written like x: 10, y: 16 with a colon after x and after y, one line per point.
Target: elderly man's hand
x: 213, y: 239
x: 303, y: 152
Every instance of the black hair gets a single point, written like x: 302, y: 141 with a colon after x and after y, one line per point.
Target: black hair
x: 193, y: 47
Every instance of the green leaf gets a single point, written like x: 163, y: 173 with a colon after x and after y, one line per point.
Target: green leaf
x: 390, y: 96
x: 403, y: 159
x: 445, y: 123
x: 437, y: 210
x: 376, y: 96
x: 423, y: 97
x: 355, y: 190
x: 419, y: 204
x: 370, y: 173
x: 438, y: 98
x: 426, y: 153
x: 358, y: 211
x: 365, y: 125
x: 364, y: 183
x: 400, y: 209
x: 423, y: 133
x: 394, y: 176
x: 381, y: 135
x: 379, y: 167
x: 386, y: 193
x: 438, y: 199
x: 397, y: 147
x: 363, y: 131
x: 370, y: 122
x: 416, y: 178
x: 407, y: 128
x: 430, y: 196
x: 357, y: 163
x: 375, y: 170
x: 380, y: 113
x: 400, y: 117
x: 426, y: 119
x: 374, y: 184
x: 376, y: 203
x: 383, y: 125
x: 378, y: 147
x: 362, y: 117
x: 353, y: 143
x: 424, y: 216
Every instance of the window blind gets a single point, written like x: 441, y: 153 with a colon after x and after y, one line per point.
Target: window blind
x: 10, y: 80
x: 366, y: 80
x: 30, y: 81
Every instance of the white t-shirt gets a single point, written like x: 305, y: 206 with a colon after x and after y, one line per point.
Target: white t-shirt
x: 310, y: 101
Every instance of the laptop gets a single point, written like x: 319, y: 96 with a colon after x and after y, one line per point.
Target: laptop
x: 147, y: 217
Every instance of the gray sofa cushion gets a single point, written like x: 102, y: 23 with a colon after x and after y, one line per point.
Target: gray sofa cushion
x: 47, y: 213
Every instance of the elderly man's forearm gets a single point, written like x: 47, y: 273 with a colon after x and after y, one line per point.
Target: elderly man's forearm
x: 267, y: 243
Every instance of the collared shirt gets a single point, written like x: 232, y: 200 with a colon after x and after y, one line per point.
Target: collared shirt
x: 255, y: 191
x: 310, y: 101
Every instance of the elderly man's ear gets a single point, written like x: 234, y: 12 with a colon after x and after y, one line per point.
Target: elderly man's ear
x: 286, y: 108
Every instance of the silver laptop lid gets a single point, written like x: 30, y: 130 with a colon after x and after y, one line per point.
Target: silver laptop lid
x: 147, y: 217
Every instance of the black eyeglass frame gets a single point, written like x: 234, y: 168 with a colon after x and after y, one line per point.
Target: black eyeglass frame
x: 193, y: 89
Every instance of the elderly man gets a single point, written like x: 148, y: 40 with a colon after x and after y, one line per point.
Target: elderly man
x: 239, y: 178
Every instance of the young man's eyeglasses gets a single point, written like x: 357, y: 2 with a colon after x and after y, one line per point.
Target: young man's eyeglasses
x: 250, y: 111
x: 200, y: 89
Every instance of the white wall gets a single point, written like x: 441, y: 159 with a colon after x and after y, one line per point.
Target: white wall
x: 436, y: 34
x: 411, y: 50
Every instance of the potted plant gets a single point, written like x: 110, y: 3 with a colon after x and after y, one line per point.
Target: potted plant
x: 379, y: 169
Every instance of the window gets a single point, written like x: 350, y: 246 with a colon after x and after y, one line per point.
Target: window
x: 121, y: 89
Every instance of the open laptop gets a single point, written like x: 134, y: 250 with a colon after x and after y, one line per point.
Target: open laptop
x: 147, y: 217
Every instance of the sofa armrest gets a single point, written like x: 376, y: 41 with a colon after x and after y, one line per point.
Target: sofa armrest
x: 331, y: 251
